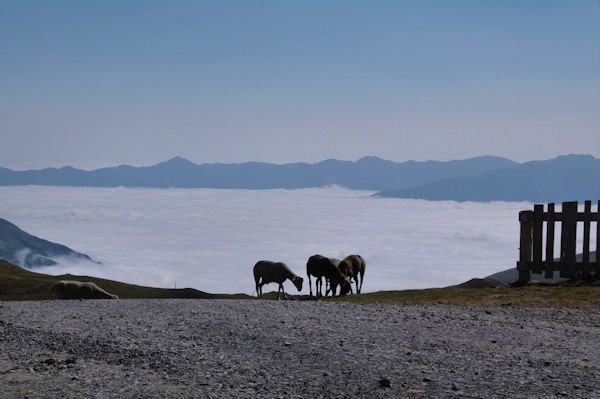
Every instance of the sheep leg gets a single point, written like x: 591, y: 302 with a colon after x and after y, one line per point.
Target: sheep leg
x: 283, y: 290
x: 333, y: 289
x: 310, y: 285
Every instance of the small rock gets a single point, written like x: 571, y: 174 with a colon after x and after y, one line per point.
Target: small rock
x: 454, y: 386
x: 287, y: 343
x: 426, y: 379
x: 385, y: 383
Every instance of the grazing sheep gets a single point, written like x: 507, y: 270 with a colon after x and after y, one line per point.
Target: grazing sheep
x: 270, y: 272
x: 79, y: 290
x: 353, y: 266
x: 319, y: 266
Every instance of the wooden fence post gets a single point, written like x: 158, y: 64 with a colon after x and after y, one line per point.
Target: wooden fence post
x: 585, y: 266
x: 537, y: 223
x: 597, y: 274
x: 525, y: 247
x: 550, y: 242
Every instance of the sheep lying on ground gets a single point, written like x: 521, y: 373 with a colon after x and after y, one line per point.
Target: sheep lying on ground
x: 79, y: 290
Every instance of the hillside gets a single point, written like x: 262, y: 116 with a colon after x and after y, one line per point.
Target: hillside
x: 511, y: 275
x: 566, y: 178
x: 26, y: 250
x: 20, y: 284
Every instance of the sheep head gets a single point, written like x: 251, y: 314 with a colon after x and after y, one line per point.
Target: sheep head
x: 298, y: 282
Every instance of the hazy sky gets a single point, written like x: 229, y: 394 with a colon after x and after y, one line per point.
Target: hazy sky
x: 100, y: 83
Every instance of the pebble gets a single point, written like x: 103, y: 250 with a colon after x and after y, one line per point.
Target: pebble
x: 385, y: 383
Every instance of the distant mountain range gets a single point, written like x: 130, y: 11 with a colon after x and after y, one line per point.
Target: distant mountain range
x: 566, y: 178
x: 23, y: 249
x: 573, y: 177
x: 368, y: 173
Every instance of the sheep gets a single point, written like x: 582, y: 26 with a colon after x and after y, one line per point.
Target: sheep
x: 270, y: 272
x: 79, y: 290
x: 319, y: 266
x: 353, y: 266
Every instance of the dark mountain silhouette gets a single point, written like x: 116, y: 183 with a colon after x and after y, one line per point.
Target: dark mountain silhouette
x: 487, y: 178
x: 368, y: 173
x: 25, y: 250
x: 566, y: 178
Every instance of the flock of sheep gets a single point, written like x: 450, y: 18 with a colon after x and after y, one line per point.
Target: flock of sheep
x: 335, y: 272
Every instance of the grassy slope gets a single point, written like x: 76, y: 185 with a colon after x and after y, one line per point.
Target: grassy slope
x: 539, y: 295
x: 20, y: 284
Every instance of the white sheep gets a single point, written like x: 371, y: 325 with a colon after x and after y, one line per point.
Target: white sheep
x: 79, y: 290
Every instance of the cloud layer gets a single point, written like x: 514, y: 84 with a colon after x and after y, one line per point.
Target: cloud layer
x: 210, y: 239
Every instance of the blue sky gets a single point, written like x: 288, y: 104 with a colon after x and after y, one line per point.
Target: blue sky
x: 99, y: 83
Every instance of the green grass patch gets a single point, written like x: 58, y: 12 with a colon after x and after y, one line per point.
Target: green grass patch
x: 537, y: 295
x: 17, y: 284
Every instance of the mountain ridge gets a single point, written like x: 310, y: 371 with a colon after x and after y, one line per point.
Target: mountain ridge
x: 368, y: 173
x: 564, y: 178
x: 483, y: 178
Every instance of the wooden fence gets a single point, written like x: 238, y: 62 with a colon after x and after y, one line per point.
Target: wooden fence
x: 532, y: 251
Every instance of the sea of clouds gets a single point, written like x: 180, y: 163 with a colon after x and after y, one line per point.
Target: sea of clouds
x: 210, y: 239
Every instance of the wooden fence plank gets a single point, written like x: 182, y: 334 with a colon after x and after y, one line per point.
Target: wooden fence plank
x: 597, y: 275
x: 568, y: 240
x: 538, y: 212
x: 585, y: 267
x: 550, y: 242
x: 525, y: 250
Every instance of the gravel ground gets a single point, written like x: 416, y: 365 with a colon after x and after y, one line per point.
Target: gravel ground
x: 293, y: 349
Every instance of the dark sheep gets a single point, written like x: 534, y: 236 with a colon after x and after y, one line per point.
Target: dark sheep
x: 353, y: 266
x: 320, y: 266
x: 270, y: 272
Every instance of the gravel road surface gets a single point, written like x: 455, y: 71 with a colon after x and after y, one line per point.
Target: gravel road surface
x: 294, y: 349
